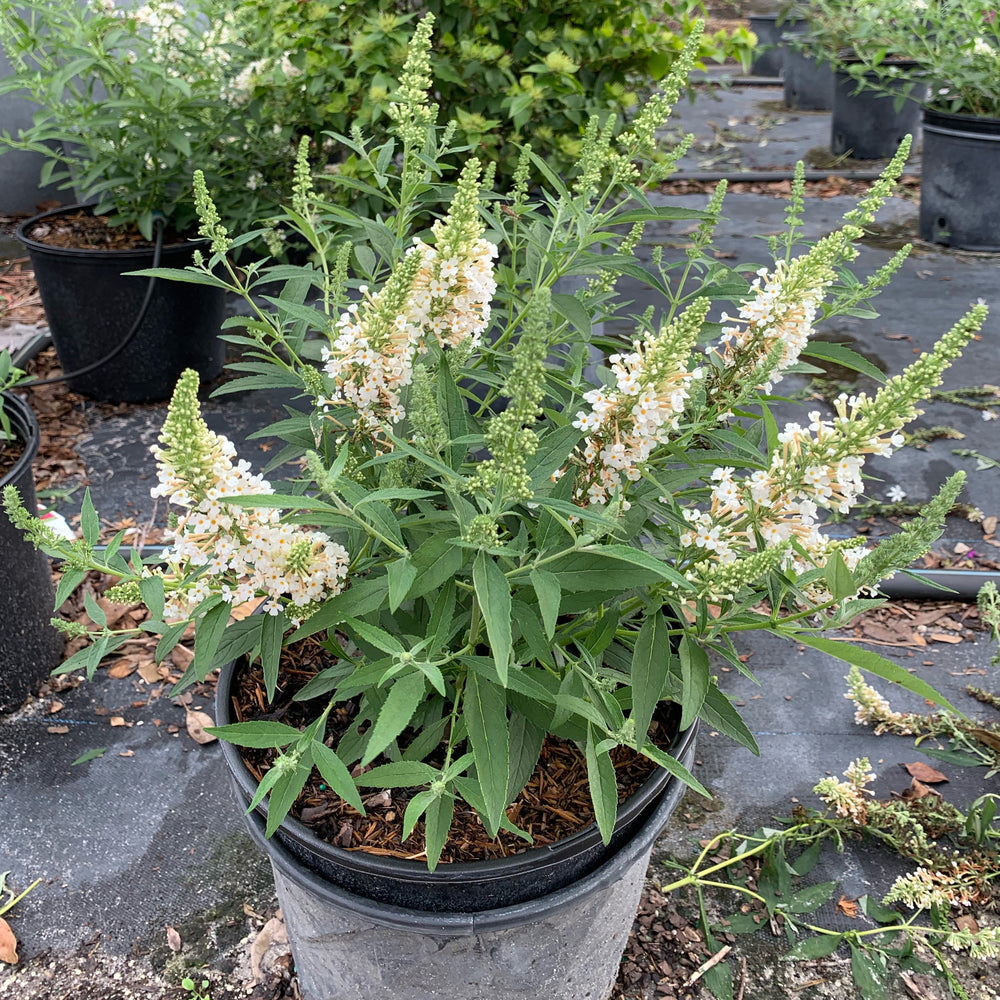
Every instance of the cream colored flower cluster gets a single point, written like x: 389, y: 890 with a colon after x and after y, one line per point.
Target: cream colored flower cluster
x: 626, y: 423
x: 371, y: 357
x: 817, y: 467
x: 168, y: 27
x: 959, y: 883
x: 872, y: 709
x: 246, y: 552
x: 847, y: 798
x: 778, y: 320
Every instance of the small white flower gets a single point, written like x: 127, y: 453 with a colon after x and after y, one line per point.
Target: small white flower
x: 990, y: 415
x: 895, y: 493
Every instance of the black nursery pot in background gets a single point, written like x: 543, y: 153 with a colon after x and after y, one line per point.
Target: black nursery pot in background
x: 91, y: 304
x: 29, y: 646
x: 867, y: 124
x: 960, y: 181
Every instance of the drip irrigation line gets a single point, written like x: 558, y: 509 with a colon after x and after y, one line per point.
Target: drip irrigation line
x: 924, y: 584
x: 32, y: 349
x: 767, y: 176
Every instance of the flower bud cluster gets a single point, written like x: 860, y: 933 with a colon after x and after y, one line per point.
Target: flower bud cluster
x: 246, y: 552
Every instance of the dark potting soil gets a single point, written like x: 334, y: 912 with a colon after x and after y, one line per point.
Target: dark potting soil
x: 10, y: 452
x: 553, y: 805
x: 82, y: 230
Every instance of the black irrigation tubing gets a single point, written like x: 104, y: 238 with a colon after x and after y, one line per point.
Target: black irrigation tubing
x: 767, y: 176
x: 36, y: 345
x: 925, y: 584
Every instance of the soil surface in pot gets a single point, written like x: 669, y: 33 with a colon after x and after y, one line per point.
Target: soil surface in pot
x: 554, y: 804
x: 10, y: 452
x: 82, y: 230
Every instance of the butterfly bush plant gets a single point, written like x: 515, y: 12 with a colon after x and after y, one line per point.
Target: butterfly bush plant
x: 500, y: 522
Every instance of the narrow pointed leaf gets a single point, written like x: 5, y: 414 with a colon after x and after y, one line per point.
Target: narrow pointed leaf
x: 870, y: 661
x: 696, y: 678
x: 549, y: 594
x: 272, y: 632
x: 493, y: 594
x: 404, y: 697
x: 650, y: 665
x: 603, y: 787
x: 484, y: 710
x: 334, y: 772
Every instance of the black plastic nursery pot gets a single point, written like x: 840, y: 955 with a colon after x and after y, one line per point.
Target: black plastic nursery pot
x: 460, y: 887
x: 29, y: 646
x: 550, y: 923
x: 769, y: 56
x: 91, y: 304
x: 960, y: 181
x: 866, y: 124
x: 808, y: 83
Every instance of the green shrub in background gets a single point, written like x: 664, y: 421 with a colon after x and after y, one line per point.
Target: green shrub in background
x: 506, y: 72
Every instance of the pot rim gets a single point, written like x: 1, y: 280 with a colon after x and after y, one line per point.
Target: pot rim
x: 532, y: 859
x: 138, y: 253
x: 960, y: 116
x: 466, y: 924
x: 24, y: 421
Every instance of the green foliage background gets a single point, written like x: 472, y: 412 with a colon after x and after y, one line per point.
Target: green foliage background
x: 506, y: 72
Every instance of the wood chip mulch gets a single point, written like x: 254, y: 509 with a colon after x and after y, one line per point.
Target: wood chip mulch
x: 19, y: 299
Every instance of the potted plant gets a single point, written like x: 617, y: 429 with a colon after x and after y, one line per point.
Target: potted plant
x: 29, y: 647
x: 128, y: 98
x: 956, y: 43
x: 490, y: 592
x: 876, y: 89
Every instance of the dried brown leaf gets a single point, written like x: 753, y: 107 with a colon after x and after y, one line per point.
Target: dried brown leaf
x: 967, y: 922
x: 56, y: 706
x: 989, y: 525
x: 196, y: 723
x: 149, y: 672
x: 57, y: 730
x: 919, y: 790
x: 123, y: 667
x: 992, y: 740
x: 273, y: 932
x: 923, y: 772
x: 8, y: 944
x: 849, y: 907
x: 944, y: 637
x: 173, y: 939
x: 181, y: 656
x: 117, y: 720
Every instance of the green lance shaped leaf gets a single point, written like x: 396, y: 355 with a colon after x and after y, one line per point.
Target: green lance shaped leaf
x: 549, y: 594
x: 437, y: 823
x: 877, y: 665
x: 813, y: 947
x: 869, y: 973
x: 484, y: 709
x: 696, y: 678
x: 257, y: 735
x: 334, y: 772
x: 286, y: 790
x: 404, y: 697
x: 650, y: 665
x: 272, y: 632
x: 603, y: 786
x: 493, y: 594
